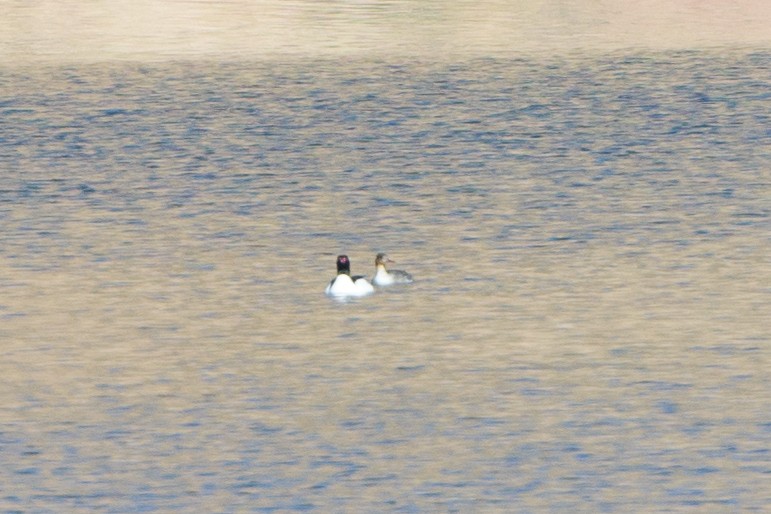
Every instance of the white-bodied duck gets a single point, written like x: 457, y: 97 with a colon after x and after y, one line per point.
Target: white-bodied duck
x: 344, y: 284
x: 383, y: 277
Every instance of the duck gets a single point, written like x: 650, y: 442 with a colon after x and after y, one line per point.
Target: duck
x: 344, y: 284
x: 383, y: 277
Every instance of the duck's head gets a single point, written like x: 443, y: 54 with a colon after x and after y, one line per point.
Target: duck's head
x: 343, y: 265
x: 381, y: 259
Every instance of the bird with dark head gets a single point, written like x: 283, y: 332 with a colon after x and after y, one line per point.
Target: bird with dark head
x: 344, y: 285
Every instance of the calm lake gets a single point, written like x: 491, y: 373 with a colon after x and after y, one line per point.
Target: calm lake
x: 589, y: 234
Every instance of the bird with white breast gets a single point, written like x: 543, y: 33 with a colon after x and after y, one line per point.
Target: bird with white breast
x: 384, y: 277
x: 344, y: 285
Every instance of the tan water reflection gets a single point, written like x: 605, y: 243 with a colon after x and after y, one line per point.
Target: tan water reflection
x: 587, y: 329
x: 149, y: 30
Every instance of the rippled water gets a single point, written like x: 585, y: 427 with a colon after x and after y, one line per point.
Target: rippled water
x: 587, y: 330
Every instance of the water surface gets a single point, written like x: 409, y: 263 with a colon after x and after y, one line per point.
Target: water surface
x: 146, y: 30
x: 587, y: 331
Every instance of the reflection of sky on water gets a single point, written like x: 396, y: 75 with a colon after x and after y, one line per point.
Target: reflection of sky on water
x: 151, y: 30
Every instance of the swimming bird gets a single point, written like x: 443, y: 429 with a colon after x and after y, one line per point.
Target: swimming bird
x: 346, y: 285
x: 383, y: 277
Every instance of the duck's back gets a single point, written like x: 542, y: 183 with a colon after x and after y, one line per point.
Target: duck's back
x: 344, y: 285
x: 385, y: 277
x: 400, y: 276
x: 341, y: 285
x: 363, y: 286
